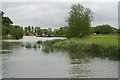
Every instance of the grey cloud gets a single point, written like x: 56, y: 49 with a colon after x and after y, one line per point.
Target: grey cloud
x: 53, y: 14
x: 105, y: 13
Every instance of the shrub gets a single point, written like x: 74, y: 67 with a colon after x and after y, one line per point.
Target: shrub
x: 39, y: 42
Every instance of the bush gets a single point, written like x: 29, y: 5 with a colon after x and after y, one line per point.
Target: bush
x: 39, y: 42
x: 28, y: 46
x: 51, y: 42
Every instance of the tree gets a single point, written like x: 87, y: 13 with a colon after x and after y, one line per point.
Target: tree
x: 16, y: 32
x: 104, y: 29
x: 32, y: 29
x: 6, y: 24
x: 49, y: 32
x: 35, y: 29
x: 29, y: 29
x: 118, y: 31
x: 65, y: 30
x: 38, y: 30
x: 7, y: 28
x: 6, y: 21
x: 79, y: 21
x: 45, y: 31
x: 58, y: 31
x: 26, y: 29
x: 2, y: 13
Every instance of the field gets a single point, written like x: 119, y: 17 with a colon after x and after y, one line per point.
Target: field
x: 106, y: 40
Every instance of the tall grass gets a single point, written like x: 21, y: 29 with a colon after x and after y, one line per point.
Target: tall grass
x: 101, y: 45
x: 29, y: 45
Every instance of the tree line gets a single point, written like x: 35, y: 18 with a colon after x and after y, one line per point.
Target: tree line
x: 48, y: 32
x: 79, y: 25
x: 9, y: 30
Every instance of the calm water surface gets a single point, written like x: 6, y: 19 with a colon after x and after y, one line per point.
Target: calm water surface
x: 24, y: 62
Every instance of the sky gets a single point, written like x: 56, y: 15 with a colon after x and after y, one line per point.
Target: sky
x: 53, y: 13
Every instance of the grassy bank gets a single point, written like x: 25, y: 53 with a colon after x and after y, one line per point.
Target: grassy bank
x: 100, y: 45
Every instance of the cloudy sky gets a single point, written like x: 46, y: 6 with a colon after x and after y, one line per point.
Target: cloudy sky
x: 53, y: 14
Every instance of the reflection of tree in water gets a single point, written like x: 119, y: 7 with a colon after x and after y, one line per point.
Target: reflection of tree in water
x: 78, y: 60
x: 79, y: 71
x: 8, y: 46
x: 11, y: 45
x: 31, y: 45
x: 79, y: 56
x: 47, y: 49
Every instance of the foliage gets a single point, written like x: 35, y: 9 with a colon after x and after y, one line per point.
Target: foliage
x: 79, y: 21
x: 103, y: 29
x: 6, y: 21
x: 39, y: 42
x: 26, y: 29
x: 16, y: 32
x: 45, y: 31
x: 101, y: 45
x: 118, y: 31
x: 50, y: 42
x: 6, y: 24
x: 28, y: 45
x: 1, y: 13
x: 38, y: 30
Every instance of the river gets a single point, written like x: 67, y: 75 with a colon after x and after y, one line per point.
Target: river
x: 22, y: 62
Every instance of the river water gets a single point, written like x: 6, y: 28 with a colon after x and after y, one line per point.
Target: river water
x: 22, y: 62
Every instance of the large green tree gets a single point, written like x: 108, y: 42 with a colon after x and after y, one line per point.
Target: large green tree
x: 104, y: 29
x: 6, y: 21
x: 7, y: 28
x: 16, y: 32
x: 60, y: 31
x: 6, y: 24
x: 79, y: 21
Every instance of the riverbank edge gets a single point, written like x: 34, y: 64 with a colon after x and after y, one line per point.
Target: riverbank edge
x: 90, y: 47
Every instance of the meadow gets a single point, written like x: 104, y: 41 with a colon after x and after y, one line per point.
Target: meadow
x: 106, y: 40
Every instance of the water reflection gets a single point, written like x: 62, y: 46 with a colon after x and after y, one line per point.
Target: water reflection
x: 83, y: 64
x: 94, y: 51
x: 32, y: 60
x: 78, y: 71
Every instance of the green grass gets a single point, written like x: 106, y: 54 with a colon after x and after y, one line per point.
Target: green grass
x: 106, y: 40
x: 100, y: 45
